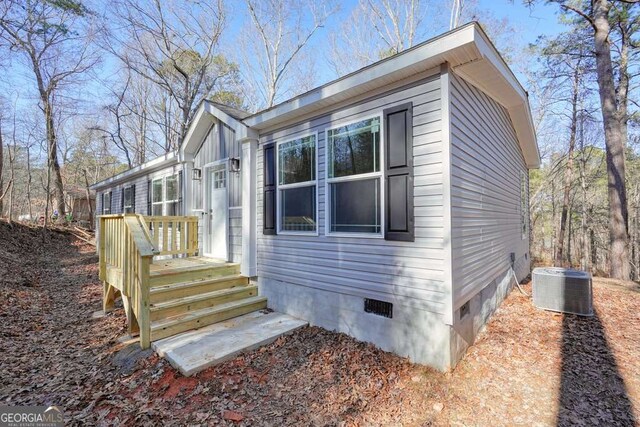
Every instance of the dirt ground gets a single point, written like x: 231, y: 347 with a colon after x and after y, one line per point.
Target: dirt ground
x: 530, y: 367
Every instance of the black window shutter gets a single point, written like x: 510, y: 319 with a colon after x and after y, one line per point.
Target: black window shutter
x: 133, y: 198
x: 398, y: 173
x: 269, y: 199
x: 111, y: 202
x: 122, y: 200
x: 149, y: 197
x: 102, y: 203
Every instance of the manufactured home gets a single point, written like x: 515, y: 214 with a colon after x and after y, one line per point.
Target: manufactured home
x: 390, y: 204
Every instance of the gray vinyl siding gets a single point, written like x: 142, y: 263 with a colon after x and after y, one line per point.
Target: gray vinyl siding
x: 486, y: 168
x: 410, y: 273
x: 235, y: 235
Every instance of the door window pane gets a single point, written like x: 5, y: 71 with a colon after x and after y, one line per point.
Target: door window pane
x: 219, y: 179
x: 297, y: 161
x: 355, y: 206
x: 298, y: 208
x: 354, y: 149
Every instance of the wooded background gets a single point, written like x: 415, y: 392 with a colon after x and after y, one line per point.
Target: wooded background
x: 92, y: 89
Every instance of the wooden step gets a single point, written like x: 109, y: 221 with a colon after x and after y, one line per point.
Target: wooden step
x: 184, y: 289
x: 180, y: 306
x: 206, y: 316
x: 188, y: 274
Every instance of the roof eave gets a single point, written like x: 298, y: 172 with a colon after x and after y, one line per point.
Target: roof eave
x: 468, y: 51
x: 158, y: 163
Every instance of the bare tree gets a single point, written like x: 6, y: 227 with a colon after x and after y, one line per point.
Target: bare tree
x: 377, y: 29
x: 597, y: 14
x: 281, y: 29
x: 174, y: 46
x: 567, y: 61
x: 55, y: 43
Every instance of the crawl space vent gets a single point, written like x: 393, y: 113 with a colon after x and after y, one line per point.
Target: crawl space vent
x: 381, y: 308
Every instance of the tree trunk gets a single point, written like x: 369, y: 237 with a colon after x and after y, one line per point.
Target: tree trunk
x: 52, y: 143
x: 88, y: 192
x: 618, y: 214
x: 553, y: 218
x: 569, y: 237
x: 1, y: 165
x: 29, y: 181
x: 568, y: 171
x: 584, y: 260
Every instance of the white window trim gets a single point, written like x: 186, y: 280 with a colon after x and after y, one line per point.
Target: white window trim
x: 124, y: 200
x: 328, y: 181
x: 311, y: 183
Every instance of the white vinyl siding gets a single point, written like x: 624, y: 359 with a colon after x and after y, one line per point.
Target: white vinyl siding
x: 487, y: 167
x: 410, y: 273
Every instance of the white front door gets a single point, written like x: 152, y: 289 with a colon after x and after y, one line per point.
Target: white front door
x: 217, y: 212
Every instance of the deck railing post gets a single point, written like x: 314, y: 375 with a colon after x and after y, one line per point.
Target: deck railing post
x: 143, y: 313
x: 101, y: 248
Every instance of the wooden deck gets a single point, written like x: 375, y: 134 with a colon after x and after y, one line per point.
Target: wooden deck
x: 165, y: 287
x: 160, y: 267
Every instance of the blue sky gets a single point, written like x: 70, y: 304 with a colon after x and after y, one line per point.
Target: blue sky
x: 530, y: 24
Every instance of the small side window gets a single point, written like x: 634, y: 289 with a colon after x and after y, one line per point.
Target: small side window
x: 524, y: 205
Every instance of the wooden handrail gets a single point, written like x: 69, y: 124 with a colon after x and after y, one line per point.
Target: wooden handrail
x: 174, y: 235
x: 126, y: 251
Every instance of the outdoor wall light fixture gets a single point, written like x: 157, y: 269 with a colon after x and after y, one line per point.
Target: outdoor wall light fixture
x: 196, y: 174
x: 235, y: 164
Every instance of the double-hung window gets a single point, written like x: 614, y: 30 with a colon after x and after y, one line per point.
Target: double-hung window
x: 297, y: 185
x: 106, y: 203
x: 165, y: 196
x: 354, y: 178
x: 157, y: 201
x: 128, y: 203
x: 172, y: 195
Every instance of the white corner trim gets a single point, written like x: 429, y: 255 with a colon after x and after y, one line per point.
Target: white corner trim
x: 249, y: 263
x: 445, y: 108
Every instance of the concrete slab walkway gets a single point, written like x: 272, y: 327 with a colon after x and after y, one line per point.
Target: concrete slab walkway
x: 192, y: 351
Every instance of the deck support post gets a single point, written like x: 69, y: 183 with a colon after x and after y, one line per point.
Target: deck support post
x: 108, y: 297
x: 248, y: 265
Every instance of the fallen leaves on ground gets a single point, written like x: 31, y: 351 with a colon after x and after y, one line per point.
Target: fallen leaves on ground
x: 529, y: 367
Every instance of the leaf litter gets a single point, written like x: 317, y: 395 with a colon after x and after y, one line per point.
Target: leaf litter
x: 528, y: 367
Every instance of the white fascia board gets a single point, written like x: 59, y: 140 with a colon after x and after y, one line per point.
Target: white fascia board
x: 197, y: 131
x: 160, y: 162
x: 241, y: 129
x: 427, y: 55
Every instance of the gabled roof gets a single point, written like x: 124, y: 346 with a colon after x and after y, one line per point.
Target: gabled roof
x: 231, y: 111
x: 468, y: 51
x: 207, y: 114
